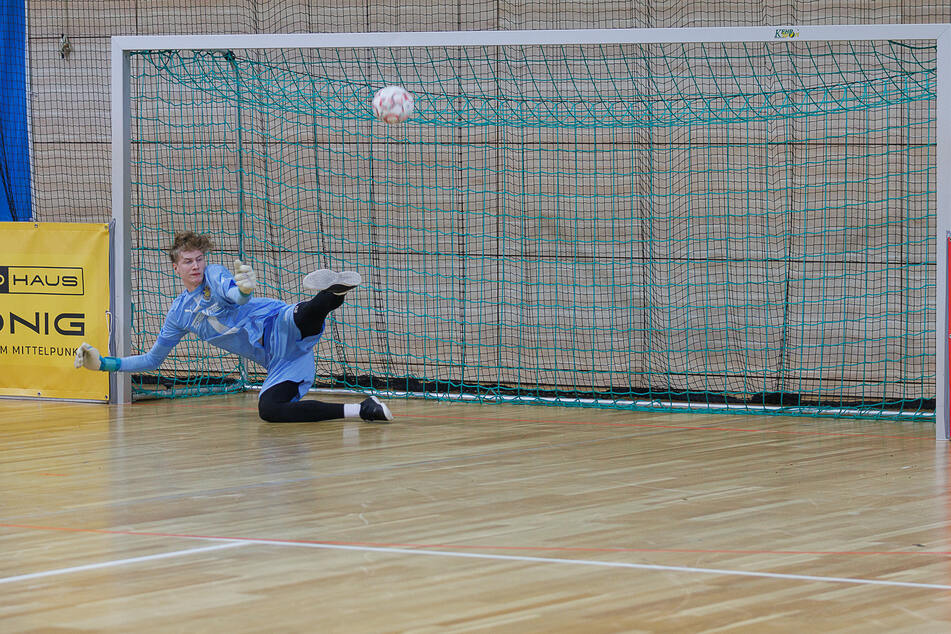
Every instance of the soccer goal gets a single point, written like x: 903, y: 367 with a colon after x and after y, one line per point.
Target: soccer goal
x: 721, y: 219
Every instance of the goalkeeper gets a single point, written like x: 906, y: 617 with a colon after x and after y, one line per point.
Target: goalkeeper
x: 218, y: 307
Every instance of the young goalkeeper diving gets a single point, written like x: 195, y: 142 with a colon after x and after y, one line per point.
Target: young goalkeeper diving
x: 218, y: 307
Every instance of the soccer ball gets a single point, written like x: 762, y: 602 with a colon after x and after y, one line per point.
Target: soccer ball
x: 392, y: 104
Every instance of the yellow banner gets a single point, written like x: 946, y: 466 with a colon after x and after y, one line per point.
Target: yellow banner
x: 54, y: 294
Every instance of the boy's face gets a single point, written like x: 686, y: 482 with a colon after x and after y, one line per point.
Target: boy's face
x: 190, y: 266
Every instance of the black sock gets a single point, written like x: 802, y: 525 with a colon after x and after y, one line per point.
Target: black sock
x: 310, y: 315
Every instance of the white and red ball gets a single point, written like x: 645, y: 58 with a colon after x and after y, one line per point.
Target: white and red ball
x: 392, y: 104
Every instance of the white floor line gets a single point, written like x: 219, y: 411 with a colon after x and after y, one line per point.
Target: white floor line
x: 231, y: 542
x: 607, y: 564
x: 120, y: 562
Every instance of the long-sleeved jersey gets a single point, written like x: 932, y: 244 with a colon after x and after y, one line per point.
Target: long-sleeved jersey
x: 215, y: 312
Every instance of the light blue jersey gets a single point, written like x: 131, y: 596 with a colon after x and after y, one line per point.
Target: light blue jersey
x: 256, y: 328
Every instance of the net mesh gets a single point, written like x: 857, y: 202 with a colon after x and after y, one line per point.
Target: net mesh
x: 680, y: 225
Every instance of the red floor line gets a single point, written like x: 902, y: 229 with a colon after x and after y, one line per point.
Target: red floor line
x: 612, y: 424
x: 99, y: 531
x: 681, y: 427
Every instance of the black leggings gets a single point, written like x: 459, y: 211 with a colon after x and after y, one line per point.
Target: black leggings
x: 274, y: 403
x: 275, y: 406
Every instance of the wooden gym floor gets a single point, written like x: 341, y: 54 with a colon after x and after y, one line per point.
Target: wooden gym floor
x: 195, y: 516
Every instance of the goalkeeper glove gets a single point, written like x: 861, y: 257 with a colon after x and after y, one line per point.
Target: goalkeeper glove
x: 245, y: 278
x: 89, y: 358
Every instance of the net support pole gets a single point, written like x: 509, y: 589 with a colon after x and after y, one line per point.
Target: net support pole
x: 120, y: 382
x: 943, y: 222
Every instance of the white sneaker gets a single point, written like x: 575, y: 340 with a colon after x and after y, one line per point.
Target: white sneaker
x: 337, y: 283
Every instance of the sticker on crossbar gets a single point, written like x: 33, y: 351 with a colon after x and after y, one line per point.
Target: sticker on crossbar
x: 786, y: 34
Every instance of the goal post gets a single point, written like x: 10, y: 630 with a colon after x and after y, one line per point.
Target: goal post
x: 721, y: 219
x: 943, y: 228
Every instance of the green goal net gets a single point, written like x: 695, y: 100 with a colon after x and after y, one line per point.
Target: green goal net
x: 731, y: 225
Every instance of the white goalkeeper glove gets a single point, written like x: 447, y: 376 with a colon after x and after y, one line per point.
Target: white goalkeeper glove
x: 245, y: 277
x: 87, y: 357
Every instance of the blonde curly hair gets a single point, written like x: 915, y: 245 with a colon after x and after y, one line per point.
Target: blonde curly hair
x: 189, y: 241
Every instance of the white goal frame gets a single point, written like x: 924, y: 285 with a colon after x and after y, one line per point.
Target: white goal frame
x: 121, y: 169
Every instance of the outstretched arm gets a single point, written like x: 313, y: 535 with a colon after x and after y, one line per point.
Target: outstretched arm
x: 169, y: 336
x: 88, y: 357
